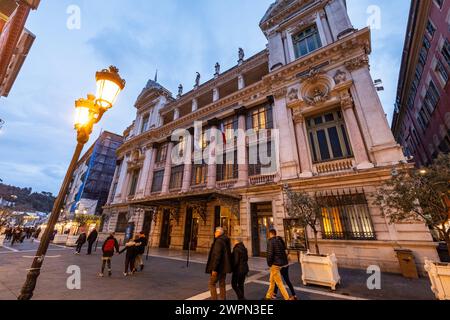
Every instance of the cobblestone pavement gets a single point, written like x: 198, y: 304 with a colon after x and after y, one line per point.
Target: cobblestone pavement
x: 167, y: 277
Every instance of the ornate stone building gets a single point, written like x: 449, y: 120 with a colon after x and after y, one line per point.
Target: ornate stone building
x: 312, y: 87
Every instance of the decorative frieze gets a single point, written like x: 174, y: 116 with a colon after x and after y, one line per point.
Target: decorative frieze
x: 357, y: 63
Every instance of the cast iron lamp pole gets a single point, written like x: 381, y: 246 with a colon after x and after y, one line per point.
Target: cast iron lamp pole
x: 88, y: 112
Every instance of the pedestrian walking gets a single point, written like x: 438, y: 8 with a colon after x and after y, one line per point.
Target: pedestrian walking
x: 131, y: 248
x: 285, y: 274
x: 91, y: 240
x: 109, y: 246
x: 240, y: 268
x: 80, y: 242
x: 17, y: 235
x: 276, y: 260
x: 219, y: 263
x: 141, y: 245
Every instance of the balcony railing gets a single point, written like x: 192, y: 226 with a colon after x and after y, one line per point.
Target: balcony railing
x: 262, y: 179
x: 227, y: 184
x: 335, y: 166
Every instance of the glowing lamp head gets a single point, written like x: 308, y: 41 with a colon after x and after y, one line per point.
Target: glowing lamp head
x: 109, y: 85
x: 82, y: 112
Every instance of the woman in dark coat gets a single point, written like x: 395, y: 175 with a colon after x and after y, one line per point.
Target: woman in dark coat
x: 240, y: 268
x: 132, y: 249
x: 80, y: 242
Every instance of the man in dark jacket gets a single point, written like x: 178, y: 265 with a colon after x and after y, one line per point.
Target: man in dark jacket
x: 91, y: 240
x: 109, y: 246
x: 240, y: 268
x: 80, y: 242
x: 276, y: 260
x: 219, y: 263
x: 142, y: 243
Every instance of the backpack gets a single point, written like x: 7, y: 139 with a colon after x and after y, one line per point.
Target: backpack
x: 110, y: 244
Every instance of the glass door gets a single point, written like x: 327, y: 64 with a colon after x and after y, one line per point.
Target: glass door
x: 265, y: 224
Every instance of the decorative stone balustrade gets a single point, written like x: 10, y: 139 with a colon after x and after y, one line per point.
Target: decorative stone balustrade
x: 335, y: 166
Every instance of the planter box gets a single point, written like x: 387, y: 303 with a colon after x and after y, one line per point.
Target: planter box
x: 439, y: 274
x: 2, y: 239
x: 320, y: 270
x: 71, y: 241
x: 60, y: 239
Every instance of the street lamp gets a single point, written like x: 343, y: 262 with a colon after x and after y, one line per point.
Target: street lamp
x: 88, y: 112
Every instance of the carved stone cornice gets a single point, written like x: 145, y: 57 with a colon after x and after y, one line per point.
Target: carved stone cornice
x: 280, y: 93
x: 357, y: 63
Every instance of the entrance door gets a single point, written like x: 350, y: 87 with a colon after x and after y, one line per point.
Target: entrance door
x: 165, y: 230
x: 262, y: 222
x: 194, y: 240
x: 147, y: 223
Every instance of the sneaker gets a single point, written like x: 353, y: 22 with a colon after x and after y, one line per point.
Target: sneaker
x: 125, y: 274
x: 293, y: 298
x: 100, y: 275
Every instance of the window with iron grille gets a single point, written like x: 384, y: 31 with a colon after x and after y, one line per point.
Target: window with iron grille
x: 158, y: 178
x: 431, y: 98
x: 228, y: 170
x: 328, y: 137
x: 306, y: 41
x: 346, y: 217
x: 199, y: 174
x: 176, y: 177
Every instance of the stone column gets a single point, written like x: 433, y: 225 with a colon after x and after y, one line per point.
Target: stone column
x: 194, y: 104
x: 187, y: 174
x: 242, y: 148
x: 151, y: 169
x: 212, y: 166
x: 338, y: 18
x: 302, y: 143
x: 276, y: 49
x: 176, y: 114
x: 354, y: 133
x: 167, y: 169
x: 144, y: 173
x: 241, y: 82
x: 216, y: 95
x: 288, y: 154
x: 122, y: 180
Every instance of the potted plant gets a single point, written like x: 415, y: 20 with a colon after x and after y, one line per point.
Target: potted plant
x: 422, y: 195
x: 317, y: 269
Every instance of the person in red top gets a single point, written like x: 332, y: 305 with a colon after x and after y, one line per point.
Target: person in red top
x: 109, y: 246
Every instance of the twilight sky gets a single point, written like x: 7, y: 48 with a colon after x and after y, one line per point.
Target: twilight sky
x: 177, y: 37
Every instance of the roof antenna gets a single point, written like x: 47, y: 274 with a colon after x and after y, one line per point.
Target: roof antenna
x: 156, y: 76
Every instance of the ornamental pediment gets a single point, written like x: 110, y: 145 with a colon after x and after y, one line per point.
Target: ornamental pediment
x: 317, y: 89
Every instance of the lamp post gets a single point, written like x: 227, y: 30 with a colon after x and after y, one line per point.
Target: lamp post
x: 88, y: 112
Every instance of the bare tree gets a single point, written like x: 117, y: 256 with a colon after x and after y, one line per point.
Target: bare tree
x: 419, y: 195
x: 306, y: 209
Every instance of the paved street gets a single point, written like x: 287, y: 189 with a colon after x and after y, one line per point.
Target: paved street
x: 166, y: 277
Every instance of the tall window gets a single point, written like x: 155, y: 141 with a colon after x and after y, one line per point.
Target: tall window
x: 158, y: 178
x: 431, y: 98
x: 134, y: 181
x: 162, y: 153
x: 346, y: 218
x: 306, y: 41
x: 228, y: 127
x: 228, y: 170
x: 431, y: 28
x: 262, y: 166
x: 441, y: 71
x: 145, y: 122
x: 199, y: 174
x: 122, y: 222
x: 176, y: 177
x: 260, y: 118
x: 328, y: 137
x: 446, y: 51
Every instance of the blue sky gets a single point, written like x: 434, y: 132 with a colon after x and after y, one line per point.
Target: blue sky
x: 177, y: 37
